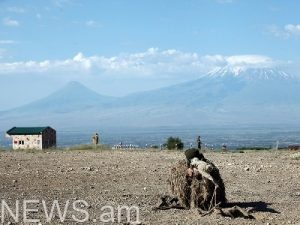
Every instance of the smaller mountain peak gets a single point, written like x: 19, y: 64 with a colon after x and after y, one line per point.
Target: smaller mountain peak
x: 74, y: 83
x: 75, y: 86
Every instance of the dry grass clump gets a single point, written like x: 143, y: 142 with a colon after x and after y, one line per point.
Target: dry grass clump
x: 198, y: 190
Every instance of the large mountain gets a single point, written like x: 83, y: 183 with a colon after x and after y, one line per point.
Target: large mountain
x: 224, y: 96
x: 224, y: 85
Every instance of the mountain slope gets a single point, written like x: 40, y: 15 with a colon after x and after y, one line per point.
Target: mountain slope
x: 72, y: 97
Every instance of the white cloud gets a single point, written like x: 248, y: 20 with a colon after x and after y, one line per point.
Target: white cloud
x: 14, y: 9
x: 288, y: 31
x: 250, y: 61
x: 10, y: 22
x: 4, y: 42
x: 292, y: 29
x: 153, y: 63
x: 81, y: 60
x: 92, y: 23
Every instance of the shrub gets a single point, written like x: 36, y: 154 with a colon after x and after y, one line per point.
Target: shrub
x: 154, y: 146
x: 172, y: 142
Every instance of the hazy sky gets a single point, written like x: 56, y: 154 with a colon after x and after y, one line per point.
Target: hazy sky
x: 122, y: 46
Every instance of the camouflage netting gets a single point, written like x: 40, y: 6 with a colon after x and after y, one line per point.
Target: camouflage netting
x: 203, y: 189
x: 196, y: 183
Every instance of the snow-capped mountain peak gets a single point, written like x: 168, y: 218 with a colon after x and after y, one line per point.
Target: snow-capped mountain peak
x: 249, y: 73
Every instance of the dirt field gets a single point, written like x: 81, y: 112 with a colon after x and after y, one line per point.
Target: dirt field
x: 267, y: 182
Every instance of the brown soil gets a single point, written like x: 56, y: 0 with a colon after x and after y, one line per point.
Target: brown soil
x: 267, y: 182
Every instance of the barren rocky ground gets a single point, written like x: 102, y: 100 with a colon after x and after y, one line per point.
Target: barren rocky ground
x: 266, y: 182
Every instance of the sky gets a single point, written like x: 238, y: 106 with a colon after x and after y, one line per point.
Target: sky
x: 117, y: 47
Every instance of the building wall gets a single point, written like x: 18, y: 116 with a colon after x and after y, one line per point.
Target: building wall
x: 49, y: 138
x: 27, y: 141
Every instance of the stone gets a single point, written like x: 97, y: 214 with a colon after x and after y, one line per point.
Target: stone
x: 247, y: 168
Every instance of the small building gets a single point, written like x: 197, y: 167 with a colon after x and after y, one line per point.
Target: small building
x: 32, y: 137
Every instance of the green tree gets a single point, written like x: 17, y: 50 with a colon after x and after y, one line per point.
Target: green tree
x: 174, y: 143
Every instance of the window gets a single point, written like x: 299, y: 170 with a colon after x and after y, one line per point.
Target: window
x: 21, y: 142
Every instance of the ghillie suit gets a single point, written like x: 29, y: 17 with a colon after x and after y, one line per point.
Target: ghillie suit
x: 197, y: 182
